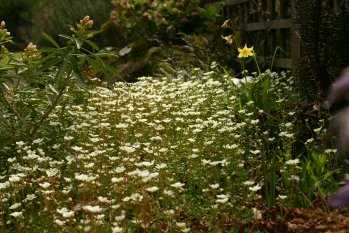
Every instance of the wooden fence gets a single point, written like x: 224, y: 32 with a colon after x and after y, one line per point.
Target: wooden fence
x: 267, y: 24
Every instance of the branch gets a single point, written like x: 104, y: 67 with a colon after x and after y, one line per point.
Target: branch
x: 35, y: 128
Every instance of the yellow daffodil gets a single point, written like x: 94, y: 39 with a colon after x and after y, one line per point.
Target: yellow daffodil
x: 245, y: 52
x: 228, y: 39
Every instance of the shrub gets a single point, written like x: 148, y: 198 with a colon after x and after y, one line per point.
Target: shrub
x: 48, y: 73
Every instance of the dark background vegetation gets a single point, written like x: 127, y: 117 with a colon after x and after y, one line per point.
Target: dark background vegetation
x: 158, y: 36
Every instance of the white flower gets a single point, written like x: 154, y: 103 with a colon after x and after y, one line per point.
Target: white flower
x: 117, y: 180
x: 254, y: 122
x: 143, y: 173
x: 145, y: 164
x: 32, y: 155
x: 20, y: 143
x: 92, y: 209
x: 45, y: 185
x: 52, y: 172
x: 16, y: 214
x: 117, y: 229
x: 120, y: 217
x: 309, y: 140
x: 214, y: 186
x: 59, y: 222
x: 120, y: 169
x: 293, y: 162
x: 38, y: 141
x: 248, y: 183
x: 169, y: 212
x: 103, y: 199
x: 222, y: 200
x: 177, y: 185
x: 14, y: 178
x: 65, y: 212
x: 288, y: 125
x: 169, y: 193
x: 181, y: 224
x: 11, y: 160
x: 255, y: 188
x: 84, y: 177
x: 152, y: 189
x: 30, y: 197
x: 257, y: 214
x: 68, y: 138
x: 294, y: 177
x: 128, y: 149
x: 161, y: 166
x: 317, y: 129
x: 4, y: 185
x: 15, y: 206
x: 255, y: 152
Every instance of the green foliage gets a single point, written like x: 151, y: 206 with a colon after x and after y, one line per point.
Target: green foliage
x: 134, y: 19
x: 191, y: 150
x: 318, y: 175
x: 47, y: 72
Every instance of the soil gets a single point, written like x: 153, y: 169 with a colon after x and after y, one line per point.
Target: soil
x: 298, y: 220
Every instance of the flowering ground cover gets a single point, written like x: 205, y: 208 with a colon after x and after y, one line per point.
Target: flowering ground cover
x: 186, y: 154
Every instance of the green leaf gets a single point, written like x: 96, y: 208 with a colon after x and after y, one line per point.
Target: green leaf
x: 49, y: 64
x: 94, y: 64
x: 92, y: 44
x: 5, y: 79
x: 105, y: 54
x: 76, y: 69
x: 66, y: 37
x: 53, y: 50
x: 53, y: 89
x: 107, y: 70
x: 61, y: 72
x: 77, y: 42
x: 49, y: 38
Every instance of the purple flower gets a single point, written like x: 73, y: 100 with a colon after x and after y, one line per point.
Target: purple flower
x: 341, y: 198
x: 339, y: 127
x: 339, y: 89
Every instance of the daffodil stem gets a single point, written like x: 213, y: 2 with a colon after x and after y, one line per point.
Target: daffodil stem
x: 243, y: 70
x: 255, y: 59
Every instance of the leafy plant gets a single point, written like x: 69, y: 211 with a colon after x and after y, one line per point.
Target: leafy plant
x: 50, y: 72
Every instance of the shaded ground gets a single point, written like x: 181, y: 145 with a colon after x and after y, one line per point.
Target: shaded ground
x: 298, y: 220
